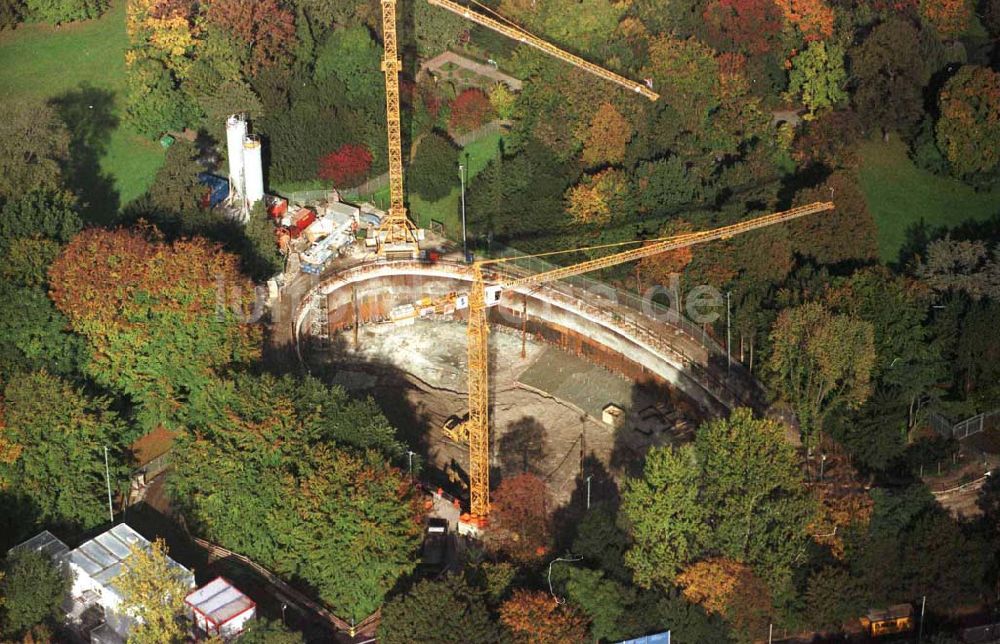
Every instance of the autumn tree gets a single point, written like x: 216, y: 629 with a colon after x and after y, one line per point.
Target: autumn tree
x: 49, y: 428
x: 748, y: 26
x: 158, y: 317
x: 607, y: 137
x: 347, y: 166
x: 470, y: 109
x: 731, y: 589
x: 818, y: 77
x: 968, y: 130
x: 446, y: 610
x: 686, y: 75
x: 813, y: 18
x: 264, y: 29
x: 660, y: 268
x: 950, y: 18
x: 598, y: 197
x: 153, y: 594
x: 845, y: 234
x: 34, y: 145
x: 502, y: 100
x: 33, y: 588
x: 520, y: 511
x: 535, y: 617
x: 820, y: 362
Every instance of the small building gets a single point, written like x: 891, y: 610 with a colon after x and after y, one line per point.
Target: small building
x: 46, y: 543
x: 95, y: 566
x: 613, y: 415
x: 219, y: 608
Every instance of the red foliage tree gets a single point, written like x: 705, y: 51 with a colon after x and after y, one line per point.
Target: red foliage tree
x: 533, y: 616
x: 469, y: 110
x: 265, y: 27
x: 347, y: 166
x: 521, y: 517
x: 743, y: 25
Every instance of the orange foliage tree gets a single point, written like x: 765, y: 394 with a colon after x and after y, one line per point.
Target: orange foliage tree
x: 534, y: 617
x: 595, y: 199
x: 814, y: 18
x: 521, y: 516
x: 159, y: 318
x: 264, y: 27
x: 730, y: 589
x: 607, y: 137
x: 949, y: 17
x: 840, y: 507
x: 470, y: 109
x: 659, y: 268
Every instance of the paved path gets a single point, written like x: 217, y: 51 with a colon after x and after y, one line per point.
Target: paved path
x: 435, y: 64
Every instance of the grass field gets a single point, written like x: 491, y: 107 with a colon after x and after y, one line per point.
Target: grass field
x: 900, y: 195
x: 447, y: 210
x: 81, y: 59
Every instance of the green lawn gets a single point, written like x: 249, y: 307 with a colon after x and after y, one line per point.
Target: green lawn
x: 900, y: 195
x: 447, y: 210
x: 43, y: 62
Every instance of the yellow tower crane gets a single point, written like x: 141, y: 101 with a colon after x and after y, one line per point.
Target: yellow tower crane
x: 510, y: 30
x: 487, y: 291
x: 396, y: 235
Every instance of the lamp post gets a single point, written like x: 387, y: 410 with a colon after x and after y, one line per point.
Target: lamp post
x: 465, y: 245
x: 588, y: 490
x: 409, y: 462
x: 107, y: 480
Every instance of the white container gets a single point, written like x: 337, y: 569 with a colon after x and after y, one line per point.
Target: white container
x: 253, y: 170
x: 236, y: 131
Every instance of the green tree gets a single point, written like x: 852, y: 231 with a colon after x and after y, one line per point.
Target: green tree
x: 50, y: 214
x: 444, y: 611
x: 752, y: 485
x: 818, y: 77
x: 60, y: 11
x: 820, y: 362
x: 52, y: 429
x: 890, y: 69
x: 151, y: 314
x: 175, y: 189
x: 968, y: 129
x: 34, y: 335
x: 270, y: 631
x: 154, y: 103
x: 286, y: 472
x: 434, y: 170
x: 33, y: 588
x: 967, y: 267
x: 666, y: 520
x: 601, y: 541
x: 352, y: 56
x: 153, y: 594
x: 34, y: 143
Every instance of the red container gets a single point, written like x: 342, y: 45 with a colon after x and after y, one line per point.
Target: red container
x: 303, y: 218
x: 276, y: 207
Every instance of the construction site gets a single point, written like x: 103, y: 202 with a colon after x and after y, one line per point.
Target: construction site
x: 577, y: 375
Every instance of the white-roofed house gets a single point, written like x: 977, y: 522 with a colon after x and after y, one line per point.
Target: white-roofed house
x: 95, y: 565
x: 219, y: 608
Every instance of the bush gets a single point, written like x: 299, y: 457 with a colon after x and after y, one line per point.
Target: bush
x: 434, y: 171
x: 59, y: 11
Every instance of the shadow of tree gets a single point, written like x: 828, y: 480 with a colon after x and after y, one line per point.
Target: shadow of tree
x: 88, y: 113
x: 522, y: 447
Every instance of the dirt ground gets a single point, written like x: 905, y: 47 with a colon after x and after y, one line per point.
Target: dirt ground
x: 545, y: 407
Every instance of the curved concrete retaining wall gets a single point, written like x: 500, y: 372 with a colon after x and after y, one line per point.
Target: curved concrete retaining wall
x: 618, y: 337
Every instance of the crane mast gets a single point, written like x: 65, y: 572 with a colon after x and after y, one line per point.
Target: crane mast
x: 476, y: 428
x: 523, y: 36
x: 397, y: 233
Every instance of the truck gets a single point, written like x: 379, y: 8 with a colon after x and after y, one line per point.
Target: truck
x: 435, y: 549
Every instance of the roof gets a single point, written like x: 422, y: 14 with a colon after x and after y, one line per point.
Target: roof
x: 219, y: 601
x: 155, y: 443
x: 46, y: 543
x: 101, y: 558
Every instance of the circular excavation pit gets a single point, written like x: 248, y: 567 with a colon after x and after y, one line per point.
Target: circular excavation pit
x: 559, y: 356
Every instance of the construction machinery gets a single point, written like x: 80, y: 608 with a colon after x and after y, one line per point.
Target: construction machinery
x: 397, y: 236
x: 490, y: 279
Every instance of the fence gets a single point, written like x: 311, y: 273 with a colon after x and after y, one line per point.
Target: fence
x: 965, y: 428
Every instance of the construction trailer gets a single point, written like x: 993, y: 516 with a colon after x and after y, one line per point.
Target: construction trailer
x: 219, y: 609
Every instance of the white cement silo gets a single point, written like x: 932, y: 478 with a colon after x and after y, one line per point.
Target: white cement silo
x: 236, y: 132
x: 253, y: 170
